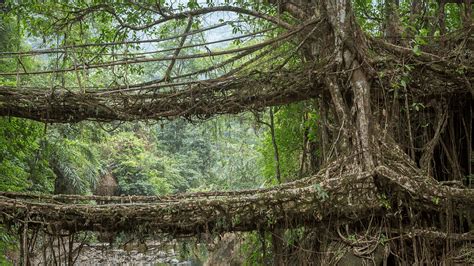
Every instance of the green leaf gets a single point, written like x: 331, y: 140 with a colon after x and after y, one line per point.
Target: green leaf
x: 417, y: 50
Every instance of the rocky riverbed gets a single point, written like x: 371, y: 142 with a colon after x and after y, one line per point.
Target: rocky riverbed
x: 102, y: 254
x: 150, y: 253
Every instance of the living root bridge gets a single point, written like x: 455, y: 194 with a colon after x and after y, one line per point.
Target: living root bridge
x: 199, y: 99
x: 348, y: 195
x: 433, y: 78
x: 285, y: 206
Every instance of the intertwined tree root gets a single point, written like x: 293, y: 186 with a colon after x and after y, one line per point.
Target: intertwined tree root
x: 197, y: 100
